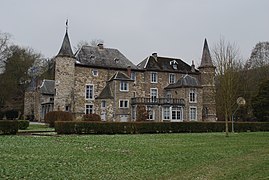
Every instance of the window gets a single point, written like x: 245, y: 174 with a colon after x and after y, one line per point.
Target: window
x: 103, y: 104
x: 176, y: 113
x: 166, y: 113
x: 88, y: 109
x: 153, y: 94
x: 89, y: 91
x: 124, y: 103
x: 193, y: 113
x: 172, y: 78
x: 151, y: 113
x: 95, y: 72
x: 133, y: 76
x: 67, y: 108
x: 192, y: 95
x: 154, y: 77
x: 124, y: 86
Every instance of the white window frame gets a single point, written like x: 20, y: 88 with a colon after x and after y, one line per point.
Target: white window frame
x: 122, y: 105
x: 193, y: 95
x: 172, y: 78
x: 95, y: 72
x: 133, y: 75
x: 124, y: 86
x: 154, y: 77
x: 166, y: 116
x: 177, y: 110
x: 191, y: 113
x: 87, y: 91
x: 103, y: 104
x: 151, y: 95
x: 87, y: 109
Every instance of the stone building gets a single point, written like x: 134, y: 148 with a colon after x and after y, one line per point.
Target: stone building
x: 103, y: 81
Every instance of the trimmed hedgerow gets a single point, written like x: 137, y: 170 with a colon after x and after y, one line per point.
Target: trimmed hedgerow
x: 23, y: 124
x: 8, y: 127
x: 84, y: 127
x: 53, y: 116
x: 91, y: 117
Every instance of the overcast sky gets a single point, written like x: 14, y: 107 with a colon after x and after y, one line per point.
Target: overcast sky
x: 172, y: 28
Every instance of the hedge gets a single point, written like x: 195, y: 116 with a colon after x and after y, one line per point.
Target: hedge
x: 53, y: 116
x: 84, y: 127
x: 8, y: 127
x: 23, y: 124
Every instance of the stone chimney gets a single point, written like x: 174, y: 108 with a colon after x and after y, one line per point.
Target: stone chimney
x: 192, y: 67
x: 129, y: 71
x: 155, y: 55
x: 100, y: 46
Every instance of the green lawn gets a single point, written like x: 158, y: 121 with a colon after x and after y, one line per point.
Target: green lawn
x: 148, y: 156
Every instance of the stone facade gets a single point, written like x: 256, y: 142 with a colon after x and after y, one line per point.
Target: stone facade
x: 103, y: 81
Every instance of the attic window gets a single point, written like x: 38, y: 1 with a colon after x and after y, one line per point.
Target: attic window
x: 95, y: 72
x: 116, y: 59
x: 174, y: 64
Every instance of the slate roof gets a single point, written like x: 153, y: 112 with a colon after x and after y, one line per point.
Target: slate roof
x: 120, y: 76
x: 164, y: 64
x: 106, y: 93
x: 185, y: 81
x: 47, y: 87
x: 66, y: 49
x: 206, y: 60
x: 103, y: 57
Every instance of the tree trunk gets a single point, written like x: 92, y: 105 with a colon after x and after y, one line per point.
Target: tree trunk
x: 226, y: 125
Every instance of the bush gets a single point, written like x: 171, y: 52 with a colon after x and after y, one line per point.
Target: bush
x: 8, y: 127
x: 53, y: 116
x: 84, y: 127
x: 23, y: 124
x: 12, y: 114
x: 2, y: 114
x: 91, y: 117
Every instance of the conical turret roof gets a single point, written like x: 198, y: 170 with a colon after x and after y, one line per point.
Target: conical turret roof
x: 206, y: 60
x: 66, y: 49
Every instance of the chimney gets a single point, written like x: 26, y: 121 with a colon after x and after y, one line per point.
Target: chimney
x: 100, y: 46
x: 129, y: 71
x: 155, y: 55
x: 192, y: 67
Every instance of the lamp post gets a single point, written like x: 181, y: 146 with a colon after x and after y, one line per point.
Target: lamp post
x: 240, y: 102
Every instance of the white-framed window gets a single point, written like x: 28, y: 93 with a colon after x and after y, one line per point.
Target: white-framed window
x: 103, y: 104
x: 193, y: 113
x: 153, y: 94
x: 192, y: 95
x: 124, y: 86
x: 172, y: 78
x: 123, y: 103
x: 133, y: 75
x: 153, y: 77
x: 166, y: 113
x: 151, y: 113
x: 89, y: 109
x: 89, y: 91
x: 176, y: 113
x: 95, y: 72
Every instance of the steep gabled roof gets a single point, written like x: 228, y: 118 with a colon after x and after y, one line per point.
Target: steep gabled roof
x: 185, y: 81
x: 120, y: 76
x: 103, y: 57
x: 66, y: 49
x: 47, y: 87
x: 106, y: 93
x: 164, y: 64
x: 206, y: 60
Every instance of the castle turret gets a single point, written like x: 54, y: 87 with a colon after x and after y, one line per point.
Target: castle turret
x: 64, y: 77
x: 207, y: 77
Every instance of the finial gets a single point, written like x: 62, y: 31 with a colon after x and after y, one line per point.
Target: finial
x: 66, y: 25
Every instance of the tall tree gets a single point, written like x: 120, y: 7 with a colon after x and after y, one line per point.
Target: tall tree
x: 4, y: 49
x: 227, y: 62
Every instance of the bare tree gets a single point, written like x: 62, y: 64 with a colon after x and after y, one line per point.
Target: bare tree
x: 4, y: 49
x: 227, y: 62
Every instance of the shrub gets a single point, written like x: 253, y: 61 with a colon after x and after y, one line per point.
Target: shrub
x: 84, y: 127
x: 23, y: 124
x: 91, y: 117
x: 53, y: 116
x: 8, y: 127
x: 12, y: 114
x: 2, y: 114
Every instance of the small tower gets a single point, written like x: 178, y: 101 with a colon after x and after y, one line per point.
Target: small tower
x: 207, y: 78
x: 64, y: 77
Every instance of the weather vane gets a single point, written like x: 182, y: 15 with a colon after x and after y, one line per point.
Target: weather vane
x: 66, y: 25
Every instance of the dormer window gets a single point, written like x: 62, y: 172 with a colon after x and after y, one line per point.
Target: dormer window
x: 174, y: 64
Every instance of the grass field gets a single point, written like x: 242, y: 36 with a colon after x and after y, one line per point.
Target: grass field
x: 147, y: 156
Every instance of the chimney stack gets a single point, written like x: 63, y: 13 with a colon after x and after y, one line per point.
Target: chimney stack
x: 192, y: 67
x: 155, y: 55
x: 129, y: 71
